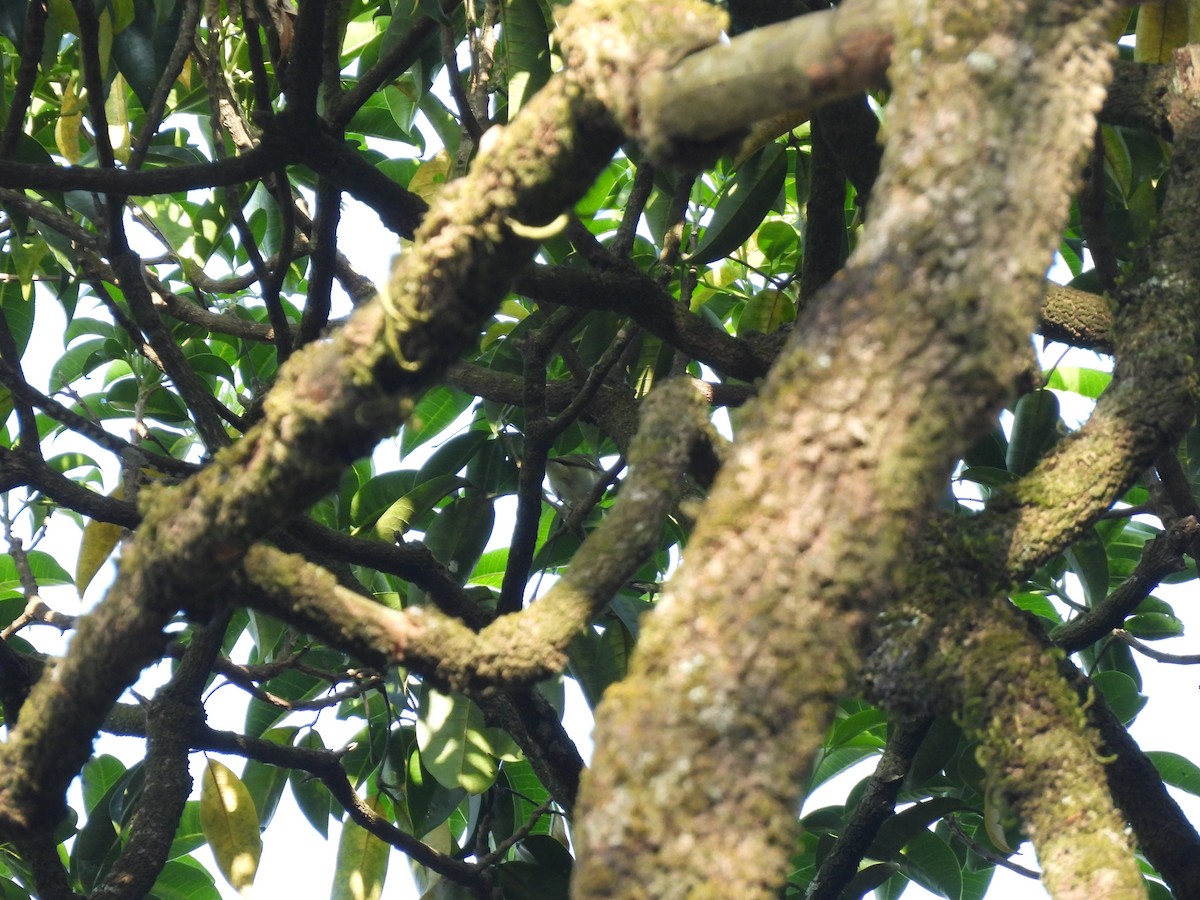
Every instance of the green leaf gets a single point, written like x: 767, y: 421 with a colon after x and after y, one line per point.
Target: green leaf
x: 1177, y: 771
x: 189, y: 835
x: 400, y: 515
x: 1122, y: 694
x: 460, y: 532
x: 18, y: 312
x: 600, y: 659
x: 525, y: 37
x: 78, y: 361
x: 362, y: 862
x: 834, y: 762
x: 99, y: 775
x: 906, y: 826
x: 453, y: 455
x: 434, y: 412
x: 1038, y: 604
x: 1152, y: 626
x: 46, y: 571
x: 184, y: 880
x: 1116, y: 155
x: 290, y: 684
x: 750, y: 194
x: 869, y: 878
x: 141, y: 49
x: 1143, y: 210
x: 377, y: 494
x: 941, y: 744
x: 1034, y: 430
x: 97, y: 843
x: 766, y: 311
x: 518, y: 793
x: 529, y: 881
x: 429, y: 802
x: 1087, y: 382
x: 976, y: 883
x: 929, y: 861
x: 451, y: 733
x: 778, y: 240
x: 1089, y: 560
x: 492, y: 470
x: 312, y: 796
x: 868, y: 723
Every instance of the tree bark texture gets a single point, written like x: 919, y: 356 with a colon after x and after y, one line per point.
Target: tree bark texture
x: 898, y: 365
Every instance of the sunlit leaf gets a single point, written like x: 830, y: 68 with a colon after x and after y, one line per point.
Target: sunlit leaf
x: 434, y: 411
x: 451, y: 733
x: 400, y: 515
x: 1162, y: 26
x: 362, y: 861
x: 183, y: 880
x: 525, y: 33
x: 230, y: 824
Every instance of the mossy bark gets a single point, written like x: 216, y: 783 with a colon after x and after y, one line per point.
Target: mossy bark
x: 945, y: 649
x: 899, y: 363
x: 994, y: 671
x: 332, y: 402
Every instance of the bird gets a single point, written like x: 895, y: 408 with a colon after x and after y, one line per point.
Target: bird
x: 572, y: 477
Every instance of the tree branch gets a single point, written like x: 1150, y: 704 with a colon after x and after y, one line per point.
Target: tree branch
x: 523, y: 647
x: 897, y: 365
x: 331, y: 403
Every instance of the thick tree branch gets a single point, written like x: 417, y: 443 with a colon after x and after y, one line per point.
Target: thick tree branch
x: 791, y: 66
x: 899, y: 363
x: 172, y: 717
x: 996, y: 673
x: 1166, y: 836
x: 331, y: 403
x: 1145, y: 410
x: 518, y: 649
x: 1077, y: 318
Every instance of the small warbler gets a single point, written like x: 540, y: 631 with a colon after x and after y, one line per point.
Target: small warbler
x: 572, y: 477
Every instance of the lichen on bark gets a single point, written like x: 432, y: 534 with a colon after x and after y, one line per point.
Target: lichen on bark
x: 896, y: 366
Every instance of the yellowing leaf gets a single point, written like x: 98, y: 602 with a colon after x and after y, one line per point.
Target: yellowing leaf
x: 430, y: 176
x: 116, y: 111
x: 230, y: 825
x: 362, y: 861
x: 766, y: 312
x: 1162, y: 27
x: 99, y: 541
x: 70, y: 118
x: 186, y: 73
x: 1117, y: 24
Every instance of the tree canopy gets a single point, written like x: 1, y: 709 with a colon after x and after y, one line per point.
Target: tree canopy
x: 706, y: 350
